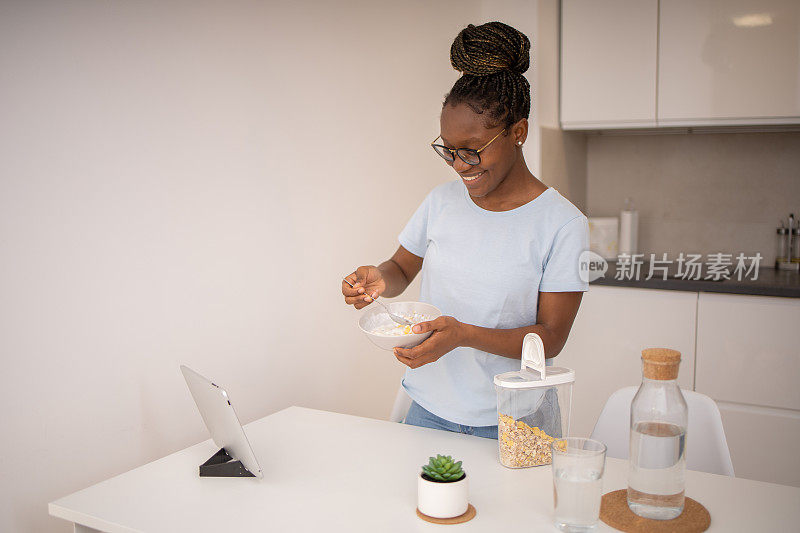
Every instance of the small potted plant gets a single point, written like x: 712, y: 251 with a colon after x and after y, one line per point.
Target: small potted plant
x: 442, y: 488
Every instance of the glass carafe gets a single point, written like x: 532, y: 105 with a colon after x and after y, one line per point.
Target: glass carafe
x: 659, y: 417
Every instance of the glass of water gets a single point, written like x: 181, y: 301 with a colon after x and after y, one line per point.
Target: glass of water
x: 578, y: 466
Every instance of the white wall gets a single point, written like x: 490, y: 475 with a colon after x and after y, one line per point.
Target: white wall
x: 524, y: 16
x: 186, y: 182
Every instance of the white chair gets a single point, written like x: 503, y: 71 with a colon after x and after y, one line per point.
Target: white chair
x: 706, y: 446
x: 401, y: 404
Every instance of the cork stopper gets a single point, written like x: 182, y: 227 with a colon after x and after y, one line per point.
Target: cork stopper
x: 660, y: 363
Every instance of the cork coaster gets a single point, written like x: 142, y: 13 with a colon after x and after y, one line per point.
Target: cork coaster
x: 466, y: 517
x: 614, y: 511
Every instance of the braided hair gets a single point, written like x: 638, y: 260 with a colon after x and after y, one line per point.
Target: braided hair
x: 492, y: 58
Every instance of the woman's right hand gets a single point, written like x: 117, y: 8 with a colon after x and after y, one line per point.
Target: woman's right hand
x: 367, y: 283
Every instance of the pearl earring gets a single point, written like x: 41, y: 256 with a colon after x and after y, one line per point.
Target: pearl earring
x: 519, y: 143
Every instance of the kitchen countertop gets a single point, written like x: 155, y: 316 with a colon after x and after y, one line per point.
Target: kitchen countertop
x: 770, y: 282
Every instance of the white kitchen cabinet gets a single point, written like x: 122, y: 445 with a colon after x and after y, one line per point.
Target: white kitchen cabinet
x: 748, y: 349
x: 613, y: 326
x: 763, y: 442
x: 608, y: 63
x: 748, y: 360
x: 671, y: 63
x: 728, y: 62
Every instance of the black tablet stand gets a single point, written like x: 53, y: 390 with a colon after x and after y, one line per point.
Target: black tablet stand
x: 222, y: 465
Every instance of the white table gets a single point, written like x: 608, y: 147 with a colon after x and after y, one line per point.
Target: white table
x: 331, y: 472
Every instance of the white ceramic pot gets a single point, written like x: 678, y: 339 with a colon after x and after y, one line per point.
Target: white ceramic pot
x: 442, y: 499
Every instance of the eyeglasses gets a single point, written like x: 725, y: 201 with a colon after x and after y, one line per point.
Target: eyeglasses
x: 467, y: 155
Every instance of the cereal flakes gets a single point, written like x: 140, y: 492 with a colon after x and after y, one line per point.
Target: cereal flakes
x: 522, y: 445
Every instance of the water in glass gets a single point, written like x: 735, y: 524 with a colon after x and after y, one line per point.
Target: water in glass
x: 577, y: 494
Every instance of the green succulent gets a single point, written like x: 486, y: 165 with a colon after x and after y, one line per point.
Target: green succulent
x: 442, y: 468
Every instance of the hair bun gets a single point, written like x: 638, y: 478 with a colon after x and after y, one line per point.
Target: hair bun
x: 490, y: 48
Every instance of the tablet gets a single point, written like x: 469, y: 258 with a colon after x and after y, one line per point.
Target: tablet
x: 220, y: 418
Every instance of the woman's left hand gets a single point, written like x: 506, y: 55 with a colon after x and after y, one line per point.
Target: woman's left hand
x: 448, y: 333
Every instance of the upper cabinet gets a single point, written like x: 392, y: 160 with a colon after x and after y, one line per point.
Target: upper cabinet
x: 709, y: 62
x: 608, y: 68
x: 729, y: 61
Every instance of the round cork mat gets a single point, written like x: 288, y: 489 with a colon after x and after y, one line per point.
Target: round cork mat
x: 615, y: 512
x: 466, y: 517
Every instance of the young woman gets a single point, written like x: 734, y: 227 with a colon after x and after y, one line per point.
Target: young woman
x: 497, y: 248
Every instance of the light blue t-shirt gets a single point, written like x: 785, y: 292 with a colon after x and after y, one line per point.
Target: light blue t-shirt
x: 487, y: 268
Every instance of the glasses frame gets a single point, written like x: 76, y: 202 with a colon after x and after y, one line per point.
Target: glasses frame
x: 457, y: 151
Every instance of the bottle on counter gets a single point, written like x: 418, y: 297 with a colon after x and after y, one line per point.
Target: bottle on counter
x: 782, y: 254
x: 659, y: 418
x: 788, y: 245
x: 628, y: 229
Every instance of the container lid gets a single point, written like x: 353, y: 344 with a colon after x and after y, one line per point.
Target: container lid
x: 660, y: 363
x: 533, y: 372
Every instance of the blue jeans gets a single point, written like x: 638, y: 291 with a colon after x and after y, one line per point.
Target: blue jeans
x: 418, y: 416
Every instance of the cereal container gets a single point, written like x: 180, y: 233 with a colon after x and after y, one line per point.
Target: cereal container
x: 533, y: 407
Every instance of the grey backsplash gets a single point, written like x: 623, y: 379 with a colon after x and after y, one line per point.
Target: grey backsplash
x: 698, y: 193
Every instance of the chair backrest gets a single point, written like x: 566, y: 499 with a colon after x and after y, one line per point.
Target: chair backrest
x: 402, y: 402
x: 706, y: 446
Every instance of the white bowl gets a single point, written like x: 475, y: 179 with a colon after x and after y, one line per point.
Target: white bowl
x: 375, y: 316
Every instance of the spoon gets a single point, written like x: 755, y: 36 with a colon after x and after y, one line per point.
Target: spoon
x: 397, y: 318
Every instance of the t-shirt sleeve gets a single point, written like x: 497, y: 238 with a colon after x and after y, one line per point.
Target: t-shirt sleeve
x: 561, y: 270
x: 414, y: 236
